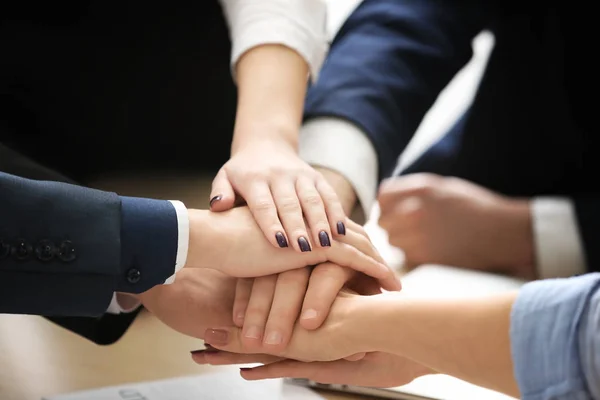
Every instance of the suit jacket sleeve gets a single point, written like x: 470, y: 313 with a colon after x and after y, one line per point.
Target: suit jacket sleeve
x: 65, y: 249
x: 389, y: 62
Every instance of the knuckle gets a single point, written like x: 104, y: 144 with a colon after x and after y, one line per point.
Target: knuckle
x: 312, y: 199
x: 263, y: 206
x: 289, y: 205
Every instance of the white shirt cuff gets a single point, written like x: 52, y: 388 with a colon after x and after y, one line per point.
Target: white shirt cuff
x: 341, y: 146
x: 558, y: 245
x: 298, y: 24
x: 183, y: 235
x: 122, y: 303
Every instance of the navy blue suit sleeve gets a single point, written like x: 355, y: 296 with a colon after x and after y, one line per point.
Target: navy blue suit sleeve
x: 64, y: 249
x: 388, y: 64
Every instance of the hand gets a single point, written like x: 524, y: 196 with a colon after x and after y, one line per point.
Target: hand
x: 198, y: 299
x: 231, y: 243
x: 374, y: 370
x: 281, y: 191
x: 267, y: 308
x: 451, y: 221
x: 343, y: 335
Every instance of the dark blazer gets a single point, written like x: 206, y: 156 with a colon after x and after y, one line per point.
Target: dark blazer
x: 528, y: 131
x: 65, y: 249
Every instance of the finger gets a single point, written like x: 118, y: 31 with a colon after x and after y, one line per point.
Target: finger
x: 355, y: 357
x: 363, y: 249
x: 349, y: 256
x: 333, y: 207
x: 261, y: 204
x: 257, y: 313
x: 314, y: 211
x: 395, y: 188
x: 243, y: 289
x: 364, y: 285
x: 226, y: 358
x: 228, y: 339
x: 401, y: 213
x: 222, y: 195
x: 287, y: 302
x: 324, y: 372
x: 326, y: 281
x: 290, y: 214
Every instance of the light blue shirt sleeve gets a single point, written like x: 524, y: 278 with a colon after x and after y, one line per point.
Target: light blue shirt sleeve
x: 555, y: 339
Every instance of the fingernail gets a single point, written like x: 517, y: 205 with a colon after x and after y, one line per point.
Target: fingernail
x: 215, y: 199
x: 324, y: 239
x: 206, y: 350
x: 303, y: 243
x: 281, y: 240
x: 253, y: 333
x: 341, y: 228
x: 274, y: 338
x: 245, y: 369
x: 216, y: 336
x: 310, y: 314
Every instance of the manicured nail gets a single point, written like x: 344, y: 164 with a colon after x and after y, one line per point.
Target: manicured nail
x: 281, y: 240
x: 245, y: 369
x: 310, y: 314
x: 303, y: 243
x: 216, y: 336
x: 253, y: 333
x: 341, y: 228
x: 274, y: 338
x: 206, y: 350
x: 215, y: 199
x: 324, y: 239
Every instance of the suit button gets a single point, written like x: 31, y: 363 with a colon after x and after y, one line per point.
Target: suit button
x: 134, y: 275
x: 4, y: 249
x: 45, y: 250
x: 66, y: 251
x: 22, y: 250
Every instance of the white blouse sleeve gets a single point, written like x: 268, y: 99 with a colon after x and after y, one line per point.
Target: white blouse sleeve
x: 298, y: 24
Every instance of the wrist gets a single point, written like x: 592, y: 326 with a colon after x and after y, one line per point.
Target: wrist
x: 264, y: 136
x: 517, y: 233
x: 204, y: 250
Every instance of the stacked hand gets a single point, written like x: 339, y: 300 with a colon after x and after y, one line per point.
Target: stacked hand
x: 325, y: 355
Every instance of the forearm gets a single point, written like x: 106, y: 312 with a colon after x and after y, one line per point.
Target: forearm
x: 272, y: 82
x: 463, y: 338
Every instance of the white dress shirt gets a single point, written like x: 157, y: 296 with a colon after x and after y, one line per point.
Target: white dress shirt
x: 338, y: 145
x: 297, y: 24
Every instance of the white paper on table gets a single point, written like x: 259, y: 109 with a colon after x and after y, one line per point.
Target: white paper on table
x: 226, y: 385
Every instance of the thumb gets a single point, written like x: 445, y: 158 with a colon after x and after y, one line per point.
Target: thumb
x: 222, y: 195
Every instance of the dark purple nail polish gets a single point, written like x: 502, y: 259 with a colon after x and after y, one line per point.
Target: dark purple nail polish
x: 197, y: 351
x: 281, y: 240
x: 215, y: 199
x: 324, y: 239
x: 245, y: 369
x: 303, y: 243
x: 341, y: 228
